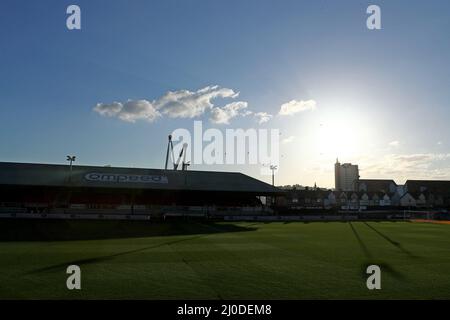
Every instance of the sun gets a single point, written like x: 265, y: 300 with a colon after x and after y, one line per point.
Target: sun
x: 342, y: 136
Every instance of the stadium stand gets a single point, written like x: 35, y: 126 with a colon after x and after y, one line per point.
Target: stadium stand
x: 100, y: 192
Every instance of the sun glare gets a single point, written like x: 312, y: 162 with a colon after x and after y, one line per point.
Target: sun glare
x: 340, y: 137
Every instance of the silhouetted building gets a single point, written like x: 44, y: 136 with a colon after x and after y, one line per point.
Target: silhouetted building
x: 377, y: 185
x: 346, y: 176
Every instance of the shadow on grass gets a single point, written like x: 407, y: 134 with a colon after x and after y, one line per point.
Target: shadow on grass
x: 71, y: 230
x: 391, y: 241
x: 361, y: 243
x: 384, y: 267
x: 87, y: 261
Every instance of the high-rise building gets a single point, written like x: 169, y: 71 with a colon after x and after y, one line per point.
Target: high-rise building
x: 346, y: 176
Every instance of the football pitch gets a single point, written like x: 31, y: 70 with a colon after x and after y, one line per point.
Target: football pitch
x: 220, y: 260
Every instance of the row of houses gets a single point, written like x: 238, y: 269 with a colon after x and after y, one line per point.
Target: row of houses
x: 372, y: 194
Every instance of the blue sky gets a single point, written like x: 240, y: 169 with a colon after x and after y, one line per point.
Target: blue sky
x: 381, y: 96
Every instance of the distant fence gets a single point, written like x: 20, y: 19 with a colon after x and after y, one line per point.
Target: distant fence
x: 234, y: 216
x: 293, y: 218
x: 426, y: 215
x: 68, y: 216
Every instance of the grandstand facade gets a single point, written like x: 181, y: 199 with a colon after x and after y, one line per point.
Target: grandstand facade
x: 47, y: 189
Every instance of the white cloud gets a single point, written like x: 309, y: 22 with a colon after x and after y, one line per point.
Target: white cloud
x: 394, y: 143
x: 188, y: 104
x: 288, y: 140
x: 263, y: 117
x: 294, y: 106
x: 174, y: 104
x: 130, y: 111
x: 224, y: 114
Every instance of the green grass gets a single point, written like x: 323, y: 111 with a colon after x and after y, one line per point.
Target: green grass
x: 245, y: 260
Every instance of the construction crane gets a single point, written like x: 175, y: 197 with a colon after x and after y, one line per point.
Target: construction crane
x: 182, y: 154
